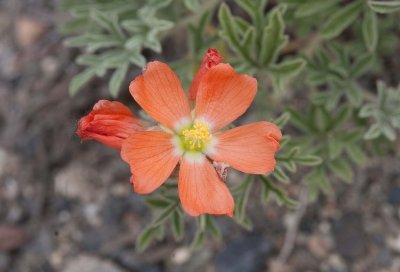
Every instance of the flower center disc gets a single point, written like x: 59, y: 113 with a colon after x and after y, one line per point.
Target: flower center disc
x: 197, y: 137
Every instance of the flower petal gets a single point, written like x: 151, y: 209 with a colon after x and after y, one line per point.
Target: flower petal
x: 210, y: 59
x: 110, y: 123
x: 201, y: 190
x: 250, y: 148
x: 224, y: 95
x: 159, y: 92
x: 152, y: 158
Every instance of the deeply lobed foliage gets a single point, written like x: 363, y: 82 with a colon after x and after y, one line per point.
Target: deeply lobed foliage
x: 317, y: 63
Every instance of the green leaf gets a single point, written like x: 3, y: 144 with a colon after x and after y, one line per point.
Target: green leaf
x: 354, y: 94
x: 370, y: 30
x: 321, y: 118
x: 248, y: 6
x: 117, y: 78
x: 320, y: 98
x: 134, y: 43
x: 317, y: 181
x: 287, y: 68
x: 137, y: 59
x: 159, y: 232
x: 335, y: 147
x: 299, y: 121
x: 81, y: 79
x: 158, y: 203
x: 281, y: 196
x: 246, y: 223
x: 241, y: 201
x: 361, y: 65
x: 199, y: 239
x: 81, y: 40
x: 389, y: 133
x: 228, y: 25
x: 242, y: 25
x: 308, y: 160
x: 341, y: 19
x: 340, y: 118
x: 73, y: 26
x: 93, y: 41
x: 177, y: 225
x: 356, y: 154
x: 248, y: 40
x: 164, y: 215
x: 273, y: 38
x: 192, y: 5
x: 133, y: 25
x: 213, y: 227
x: 384, y: 6
x: 280, y: 175
x: 313, y: 7
x: 367, y: 111
x: 105, y: 20
x: 282, y: 119
x: 341, y: 168
x: 290, y: 166
x: 145, y: 238
x: 373, y: 132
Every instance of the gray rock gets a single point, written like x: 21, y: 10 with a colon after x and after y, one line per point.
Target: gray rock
x: 128, y: 260
x: 350, y: 236
x: 244, y: 255
x: 394, y: 196
x: 86, y: 263
x: 4, y: 261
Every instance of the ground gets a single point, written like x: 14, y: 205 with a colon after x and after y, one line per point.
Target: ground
x: 68, y: 206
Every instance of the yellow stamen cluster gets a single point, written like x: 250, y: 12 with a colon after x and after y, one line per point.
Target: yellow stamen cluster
x: 197, y: 137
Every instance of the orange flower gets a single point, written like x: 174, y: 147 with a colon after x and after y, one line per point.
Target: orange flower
x: 210, y: 59
x: 193, y: 139
x: 109, y: 122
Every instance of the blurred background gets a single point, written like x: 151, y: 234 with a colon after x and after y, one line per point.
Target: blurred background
x: 68, y: 206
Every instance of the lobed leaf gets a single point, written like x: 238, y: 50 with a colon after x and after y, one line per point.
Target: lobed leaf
x: 313, y: 7
x: 385, y: 6
x: 341, y: 19
x: 370, y: 30
x: 80, y: 80
x: 273, y: 38
x: 117, y: 79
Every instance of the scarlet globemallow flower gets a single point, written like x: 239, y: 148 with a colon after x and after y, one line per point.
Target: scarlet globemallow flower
x: 110, y: 122
x: 191, y: 139
x: 195, y: 139
x: 210, y: 59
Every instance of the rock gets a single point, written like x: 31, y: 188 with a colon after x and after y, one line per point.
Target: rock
x: 350, y: 237
x: 11, y: 237
x: 244, y: 254
x: 95, y: 238
x: 38, y: 250
x: 132, y: 262
x: 3, y: 161
x: 9, y: 68
x: 181, y: 255
x: 318, y: 245
x: 335, y: 264
x: 4, y: 261
x: 85, y: 263
x: 28, y: 31
x: 303, y: 260
x: 276, y: 266
x: 10, y: 189
x: 73, y: 182
x: 394, y: 196
x: 394, y: 243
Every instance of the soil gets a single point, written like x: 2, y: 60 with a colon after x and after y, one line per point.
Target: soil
x: 68, y: 206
